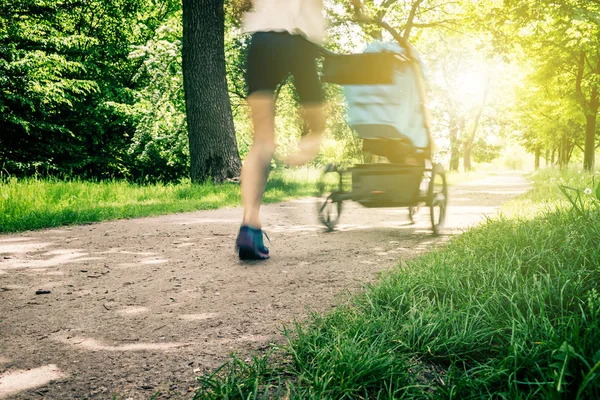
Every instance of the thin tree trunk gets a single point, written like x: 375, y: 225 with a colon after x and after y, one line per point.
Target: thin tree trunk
x: 454, y: 146
x: 467, y: 157
x: 590, y: 109
x: 562, y: 153
x: 571, y: 147
x: 468, y: 145
x: 411, y: 19
x: 213, y: 145
x: 538, y: 153
x: 590, y: 142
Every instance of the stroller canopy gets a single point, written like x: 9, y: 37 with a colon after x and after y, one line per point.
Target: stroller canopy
x: 390, y: 111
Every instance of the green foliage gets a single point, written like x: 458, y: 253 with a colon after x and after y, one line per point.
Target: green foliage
x: 94, y: 89
x: 484, y: 152
x: 40, y: 81
x: 584, y: 202
x: 65, y: 75
x: 159, y: 149
x: 558, y: 48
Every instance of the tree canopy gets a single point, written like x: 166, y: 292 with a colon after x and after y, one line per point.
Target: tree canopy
x: 95, y: 89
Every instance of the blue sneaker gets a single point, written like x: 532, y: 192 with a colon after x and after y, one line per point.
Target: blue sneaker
x: 250, y: 245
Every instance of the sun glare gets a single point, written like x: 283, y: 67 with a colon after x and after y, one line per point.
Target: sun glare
x: 471, y: 85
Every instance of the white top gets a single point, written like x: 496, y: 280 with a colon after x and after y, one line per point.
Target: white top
x: 301, y: 17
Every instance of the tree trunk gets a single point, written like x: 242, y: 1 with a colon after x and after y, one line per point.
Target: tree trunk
x: 570, y: 151
x: 454, y: 146
x: 590, y: 110
x: 411, y: 19
x: 590, y: 142
x: 213, y: 146
x: 467, y: 157
x: 562, y: 150
x: 468, y: 144
x: 538, y: 153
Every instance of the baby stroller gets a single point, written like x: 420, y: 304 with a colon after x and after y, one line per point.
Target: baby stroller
x: 385, y: 95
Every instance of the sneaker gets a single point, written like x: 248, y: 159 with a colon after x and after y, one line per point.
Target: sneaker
x: 250, y: 245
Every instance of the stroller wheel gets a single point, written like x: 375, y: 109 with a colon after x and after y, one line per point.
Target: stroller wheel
x: 329, y: 206
x: 437, y: 198
x: 412, y: 214
x: 329, y: 212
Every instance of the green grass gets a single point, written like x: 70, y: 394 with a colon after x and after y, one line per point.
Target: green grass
x: 547, y: 195
x: 29, y: 204
x: 33, y: 203
x: 508, y: 310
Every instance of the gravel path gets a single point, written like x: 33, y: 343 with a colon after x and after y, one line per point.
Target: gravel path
x: 138, y: 306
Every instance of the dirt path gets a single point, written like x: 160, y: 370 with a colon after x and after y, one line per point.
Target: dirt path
x: 145, y: 305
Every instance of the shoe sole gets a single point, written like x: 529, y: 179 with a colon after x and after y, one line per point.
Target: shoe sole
x: 249, y: 253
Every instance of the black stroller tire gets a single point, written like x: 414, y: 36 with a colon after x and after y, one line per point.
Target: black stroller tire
x: 437, y: 198
x: 330, y: 211
x: 329, y: 207
x: 412, y: 214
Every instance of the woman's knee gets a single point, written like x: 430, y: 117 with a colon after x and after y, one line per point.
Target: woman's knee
x: 266, y: 148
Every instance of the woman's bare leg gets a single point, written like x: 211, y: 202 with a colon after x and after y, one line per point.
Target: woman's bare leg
x: 309, y: 145
x: 255, y: 170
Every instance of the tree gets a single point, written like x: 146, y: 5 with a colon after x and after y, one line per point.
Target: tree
x: 466, y: 86
x: 548, y: 118
x: 66, y: 83
x: 42, y: 78
x: 213, y: 145
x: 563, y: 43
x: 470, y: 139
x: 159, y: 148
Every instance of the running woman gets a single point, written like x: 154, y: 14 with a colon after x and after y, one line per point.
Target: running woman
x: 286, y: 39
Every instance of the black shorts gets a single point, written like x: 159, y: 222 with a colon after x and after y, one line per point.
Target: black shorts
x: 273, y: 56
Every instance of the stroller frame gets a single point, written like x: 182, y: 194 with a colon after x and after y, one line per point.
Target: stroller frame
x: 378, y: 185
x: 385, y: 185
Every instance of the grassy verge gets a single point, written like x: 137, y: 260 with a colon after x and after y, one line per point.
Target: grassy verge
x: 508, y: 310
x: 34, y: 204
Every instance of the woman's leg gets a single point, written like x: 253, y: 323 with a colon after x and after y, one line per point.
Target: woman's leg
x: 255, y: 170
x: 309, y: 89
x: 309, y: 145
x: 264, y: 73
